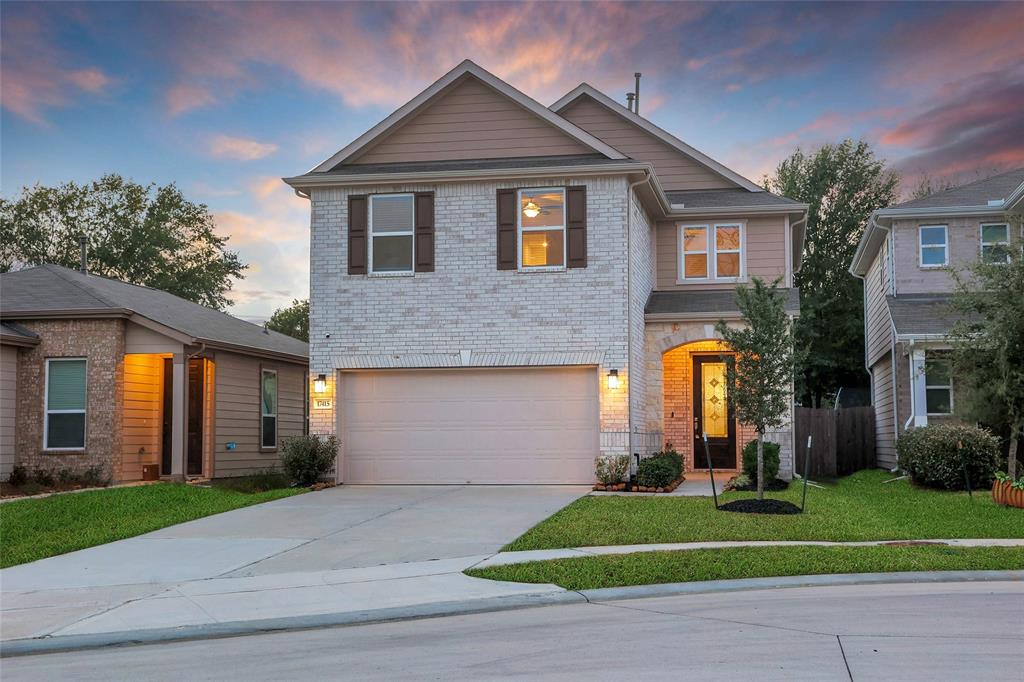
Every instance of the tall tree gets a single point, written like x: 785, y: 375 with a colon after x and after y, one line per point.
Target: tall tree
x: 988, y: 353
x: 141, y: 234
x: 842, y: 183
x: 760, y: 372
x: 292, y: 320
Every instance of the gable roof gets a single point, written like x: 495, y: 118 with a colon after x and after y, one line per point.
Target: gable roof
x: 467, y: 69
x: 51, y: 290
x: 586, y: 90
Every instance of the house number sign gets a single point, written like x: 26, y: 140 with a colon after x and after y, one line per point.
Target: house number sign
x: 323, y: 403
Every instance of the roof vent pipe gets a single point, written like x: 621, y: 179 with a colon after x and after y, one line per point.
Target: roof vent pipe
x: 83, y: 254
x: 636, y: 95
x: 629, y: 100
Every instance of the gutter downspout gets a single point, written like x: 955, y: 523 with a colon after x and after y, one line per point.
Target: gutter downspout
x: 629, y: 315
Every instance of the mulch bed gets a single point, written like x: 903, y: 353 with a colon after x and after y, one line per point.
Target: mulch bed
x: 31, y: 489
x: 621, y: 487
x: 774, y: 486
x: 753, y: 506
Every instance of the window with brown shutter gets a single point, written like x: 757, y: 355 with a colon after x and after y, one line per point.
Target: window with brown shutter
x: 576, y: 227
x: 357, y: 234
x: 506, y: 244
x: 424, y: 232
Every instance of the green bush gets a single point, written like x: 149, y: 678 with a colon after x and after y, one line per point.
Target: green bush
x: 660, y: 469
x: 44, y: 477
x: 307, y: 458
x: 19, y: 475
x: 771, y: 461
x: 937, y: 455
x: 611, y: 470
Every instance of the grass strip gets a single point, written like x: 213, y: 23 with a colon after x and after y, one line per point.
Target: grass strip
x: 651, y: 568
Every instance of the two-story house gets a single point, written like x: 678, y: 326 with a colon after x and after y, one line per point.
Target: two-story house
x: 906, y: 257
x: 503, y: 291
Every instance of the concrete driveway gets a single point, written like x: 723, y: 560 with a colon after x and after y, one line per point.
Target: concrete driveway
x: 338, y: 528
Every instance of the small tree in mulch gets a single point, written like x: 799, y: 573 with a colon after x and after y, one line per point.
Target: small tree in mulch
x: 760, y: 371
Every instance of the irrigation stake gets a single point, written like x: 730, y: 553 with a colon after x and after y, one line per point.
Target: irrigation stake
x: 711, y: 469
x: 807, y: 474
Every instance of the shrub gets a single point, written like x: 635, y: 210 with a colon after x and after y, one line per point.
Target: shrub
x: 660, y: 469
x: 65, y: 476
x: 771, y: 461
x: 307, y: 458
x: 19, y: 475
x: 611, y: 470
x: 43, y: 477
x: 94, y: 476
x: 937, y: 455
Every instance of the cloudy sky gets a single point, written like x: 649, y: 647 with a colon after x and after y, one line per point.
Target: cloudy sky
x: 224, y: 99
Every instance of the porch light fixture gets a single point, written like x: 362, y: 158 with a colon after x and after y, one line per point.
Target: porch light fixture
x: 613, y: 379
x: 531, y: 210
x: 320, y: 384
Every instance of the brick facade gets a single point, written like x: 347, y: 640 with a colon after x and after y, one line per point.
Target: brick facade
x: 102, y: 343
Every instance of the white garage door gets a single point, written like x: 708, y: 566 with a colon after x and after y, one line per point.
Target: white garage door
x: 470, y: 426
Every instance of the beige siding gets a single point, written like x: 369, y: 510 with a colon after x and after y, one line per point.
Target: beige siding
x: 471, y: 121
x: 675, y: 170
x: 140, y: 440
x: 237, y: 397
x: 139, y: 339
x: 765, y: 251
x: 878, y: 323
x: 885, y: 415
x: 8, y: 411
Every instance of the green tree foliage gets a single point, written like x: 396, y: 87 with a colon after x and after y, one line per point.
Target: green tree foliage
x: 843, y: 184
x: 760, y: 372
x: 988, y: 353
x: 292, y: 320
x: 141, y: 234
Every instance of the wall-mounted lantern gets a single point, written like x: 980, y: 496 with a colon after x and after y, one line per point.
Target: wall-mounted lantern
x: 320, y: 384
x: 613, y: 379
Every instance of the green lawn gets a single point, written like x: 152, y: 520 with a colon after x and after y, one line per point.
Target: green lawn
x: 858, y: 507
x: 38, y: 528
x: 750, y: 562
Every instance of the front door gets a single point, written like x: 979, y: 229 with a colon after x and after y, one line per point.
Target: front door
x: 712, y: 414
x: 195, y: 416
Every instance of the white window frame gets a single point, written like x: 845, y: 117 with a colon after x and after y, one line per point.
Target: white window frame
x: 277, y: 399
x: 948, y: 387
x: 548, y: 228
x: 47, y: 411
x: 983, y: 243
x: 710, y: 253
x: 411, y: 233
x: 921, y: 246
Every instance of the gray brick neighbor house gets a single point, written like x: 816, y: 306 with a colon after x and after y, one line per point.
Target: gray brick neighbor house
x: 501, y: 291
x: 905, y: 258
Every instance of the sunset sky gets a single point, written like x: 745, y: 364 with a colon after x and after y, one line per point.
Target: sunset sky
x: 224, y: 99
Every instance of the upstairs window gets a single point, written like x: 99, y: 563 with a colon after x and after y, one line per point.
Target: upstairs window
x: 719, y: 256
x: 65, y: 404
x: 934, y: 246
x: 938, y: 381
x: 995, y: 243
x: 392, y: 224
x: 542, y: 228
x: 268, y: 409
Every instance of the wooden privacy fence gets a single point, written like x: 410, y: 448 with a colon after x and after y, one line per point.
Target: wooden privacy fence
x: 843, y: 440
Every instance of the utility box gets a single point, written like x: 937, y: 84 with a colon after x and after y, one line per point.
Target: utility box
x: 150, y: 472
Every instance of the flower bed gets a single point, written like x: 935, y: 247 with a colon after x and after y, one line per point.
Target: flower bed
x: 626, y: 488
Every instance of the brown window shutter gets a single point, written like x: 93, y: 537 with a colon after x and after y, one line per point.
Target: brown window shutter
x: 424, y: 232
x: 576, y: 226
x: 507, y: 229
x: 357, y: 234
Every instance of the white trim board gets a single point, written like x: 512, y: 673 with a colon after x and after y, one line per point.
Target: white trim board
x: 466, y: 68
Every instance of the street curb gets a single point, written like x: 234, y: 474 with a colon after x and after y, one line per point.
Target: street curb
x: 63, y: 643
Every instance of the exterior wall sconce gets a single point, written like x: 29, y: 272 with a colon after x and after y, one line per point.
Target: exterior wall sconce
x: 320, y: 384
x: 613, y: 379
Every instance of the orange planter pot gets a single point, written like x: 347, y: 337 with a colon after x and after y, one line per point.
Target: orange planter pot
x: 1003, y: 492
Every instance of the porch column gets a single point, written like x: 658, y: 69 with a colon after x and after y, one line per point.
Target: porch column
x: 918, y: 393
x: 179, y: 396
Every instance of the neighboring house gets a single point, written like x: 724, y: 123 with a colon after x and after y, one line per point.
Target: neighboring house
x: 501, y: 291
x: 904, y: 258
x: 100, y: 373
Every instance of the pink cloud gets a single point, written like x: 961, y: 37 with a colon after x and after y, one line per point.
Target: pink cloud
x: 240, y: 148
x: 182, y: 98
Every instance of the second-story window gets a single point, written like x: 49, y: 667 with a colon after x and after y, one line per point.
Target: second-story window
x: 711, y: 251
x: 542, y: 228
x: 934, y: 246
x: 392, y: 223
x: 995, y: 243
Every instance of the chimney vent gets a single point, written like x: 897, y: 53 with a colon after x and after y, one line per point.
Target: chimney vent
x: 636, y: 95
x: 629, y: 100
x: 83, y: 254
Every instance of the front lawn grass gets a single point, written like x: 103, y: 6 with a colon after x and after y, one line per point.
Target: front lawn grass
x: 34, y: 529
x: 648, y: 568
x: 859, y: 507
